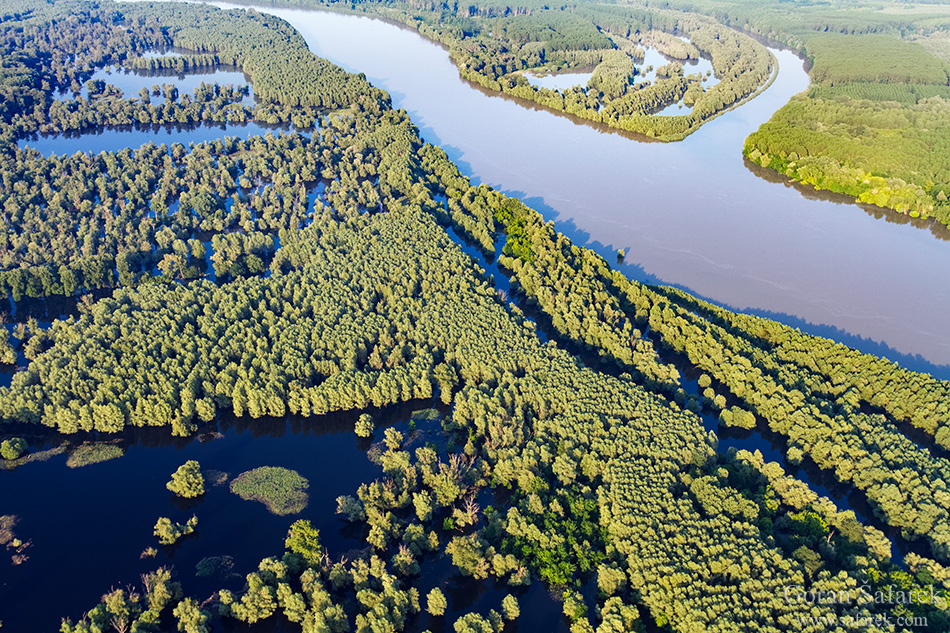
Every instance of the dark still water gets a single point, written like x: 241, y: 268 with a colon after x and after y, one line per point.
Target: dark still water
x: 118, y: 139
x: 115, y: 139
x: 89, y: 525
x: 692, y: 214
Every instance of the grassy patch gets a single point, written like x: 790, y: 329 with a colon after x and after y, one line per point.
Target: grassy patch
x: 218, y: 566
x: 425, y: 414
x: 87, y: 454
x: 282, y: 490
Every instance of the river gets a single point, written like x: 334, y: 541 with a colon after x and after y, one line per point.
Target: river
x: 690, y: 214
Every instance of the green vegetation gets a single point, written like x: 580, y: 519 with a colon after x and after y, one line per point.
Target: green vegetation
x: 806, y: 388
x: 599, y: 473
x: 129, y: 610
x: 364, y: 426
x: 879, y: 143
x: 510, y: 607
x: 283, y: 491
x: 436, y: 602
x: 191, y: 618
x: 581, y: 544
x: 89, y: 453
x: 493, y: 46
x: 425, y: 414
x: 874, y: 125
x: 126, y: 224
x: 187, y: 481
x: 13, y: 448
x: 168, y: 532
x: 217, y: 566
x: 304, y: 540
x: 475, y: 623
x: 873, y: 58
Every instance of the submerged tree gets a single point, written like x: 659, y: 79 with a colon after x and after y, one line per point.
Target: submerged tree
x: 187, y: 481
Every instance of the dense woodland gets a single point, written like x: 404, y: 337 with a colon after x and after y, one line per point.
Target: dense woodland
x: 874, y: 125
x: 338, y: 288
x: 493, y: 46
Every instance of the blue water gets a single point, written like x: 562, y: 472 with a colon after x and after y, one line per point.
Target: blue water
x: 116, y: 139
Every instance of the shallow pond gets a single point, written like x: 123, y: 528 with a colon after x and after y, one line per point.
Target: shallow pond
x: 114, y: 139
x: 117, y: 139
x: 130, y: 82
x: 558, y: 81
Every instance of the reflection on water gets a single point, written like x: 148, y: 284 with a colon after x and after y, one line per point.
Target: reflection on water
x: 690, y: 213
x: 117, y: 139
x: 559, y: 81
x: 130, y: 82
x: 89, y: 525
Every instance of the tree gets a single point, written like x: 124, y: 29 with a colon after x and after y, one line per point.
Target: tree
x: 364, y: 426
x: 187, y: 481
x: 474, y: 623
x: 351, y: 507
x: 7, y: 352
x: 191, y: 618
x: 304, y: 539
x: 12, y: 448
x: 168, y: 532
x: 436, y: 602
x: 510, y: 608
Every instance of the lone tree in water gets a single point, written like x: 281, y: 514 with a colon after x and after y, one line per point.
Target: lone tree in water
x: 364, y: 426
x: 12, y: 448
x: 187, y: 481
x: 436, y: 602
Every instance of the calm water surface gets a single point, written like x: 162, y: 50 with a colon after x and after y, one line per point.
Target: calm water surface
x: 118, y: 139
x: 89, y: 525
x: 559, y: 81
x: 692, y: 213
x: 131, y: 81
x: 114, y: 139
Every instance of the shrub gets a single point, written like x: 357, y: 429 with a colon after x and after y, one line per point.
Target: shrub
x: 365, y: 426
x: 12, y: 448
x: 187, y: 481
x: 168, y: 532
